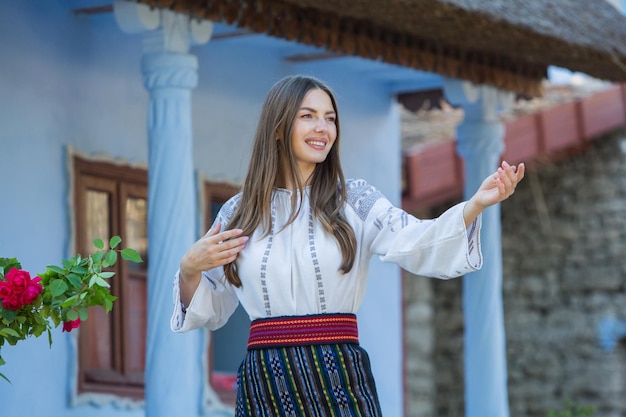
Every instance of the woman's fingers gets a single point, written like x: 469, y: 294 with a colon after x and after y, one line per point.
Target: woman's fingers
x: 509, y: 176
x: 229, y: 247
x: 213, y: 231
x: 521, y: 169
x: 222, y: 248
x: 214, y: 249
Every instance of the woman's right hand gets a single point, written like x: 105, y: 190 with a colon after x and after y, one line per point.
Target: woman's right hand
x: 210, y: 251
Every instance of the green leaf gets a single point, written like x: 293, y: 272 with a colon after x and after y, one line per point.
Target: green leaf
x: 7, y: 263
x: 111, y: 258
x: 75, y: 279
x: 57, y: 287
x: 96, y: 257
x: 9, y: 315
x: 82, y: 314
x: 98, y: 243
x: 38, y: 330
x: 78, y: 269
x: 101, y: 282
x: 56, y: 269
x: 4, y: 377
x: 55, y: 315
x: 115, y: 240
x: 107, y: 274
x: 92, y: 280
x: 69, y: 301
x: 131, y: 255
x: 7, y: 331
x: 71, y: 315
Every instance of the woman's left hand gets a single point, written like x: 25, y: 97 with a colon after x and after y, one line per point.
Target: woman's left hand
x: 495, y: 188
x: 500, y: 185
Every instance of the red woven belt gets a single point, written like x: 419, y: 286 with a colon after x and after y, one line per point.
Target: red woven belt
x: 303, y: 330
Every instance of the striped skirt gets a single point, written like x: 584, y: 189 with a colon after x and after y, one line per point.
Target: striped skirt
x: 306, y: 370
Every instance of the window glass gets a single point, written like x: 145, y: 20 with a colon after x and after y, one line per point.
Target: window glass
x: 98, y: 217
x: 137, y: 230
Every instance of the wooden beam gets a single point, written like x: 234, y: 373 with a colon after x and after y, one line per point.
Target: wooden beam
x: 234, y: 34
x: 317, y: 56
x: 106, y: 8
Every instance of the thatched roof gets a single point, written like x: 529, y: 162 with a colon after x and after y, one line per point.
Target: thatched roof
x: 505, y: 43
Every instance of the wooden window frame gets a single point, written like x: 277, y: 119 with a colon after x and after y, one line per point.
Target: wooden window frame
x: 121, y: 182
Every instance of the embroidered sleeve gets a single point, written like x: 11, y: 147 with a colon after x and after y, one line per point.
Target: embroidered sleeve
x: 440, y: 247
x: 214, y: 300
x: 212, y: 304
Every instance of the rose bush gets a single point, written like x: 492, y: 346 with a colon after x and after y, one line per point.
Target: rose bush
x: 61, y: 294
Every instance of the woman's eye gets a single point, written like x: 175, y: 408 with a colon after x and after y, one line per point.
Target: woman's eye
x: 330, y: 119
x: 306, y: 116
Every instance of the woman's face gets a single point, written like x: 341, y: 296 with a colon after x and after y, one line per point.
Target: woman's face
x: 314, y: 131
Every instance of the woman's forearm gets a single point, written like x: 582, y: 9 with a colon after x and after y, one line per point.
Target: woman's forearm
x: 188, y: 283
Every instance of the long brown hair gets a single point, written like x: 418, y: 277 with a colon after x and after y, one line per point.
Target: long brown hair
x: 273, y: 160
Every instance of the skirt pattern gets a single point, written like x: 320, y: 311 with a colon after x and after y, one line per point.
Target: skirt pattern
x: 307, y: 381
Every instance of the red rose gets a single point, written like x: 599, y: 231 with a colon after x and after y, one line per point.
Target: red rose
x: 32, y: 291
x: 18, y: 279
x: 72, y: 324
x: 19, y: 290
x: 5, y: 290
x: 12, y: 302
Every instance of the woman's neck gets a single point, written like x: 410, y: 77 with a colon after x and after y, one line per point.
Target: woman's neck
x: 283, y: 182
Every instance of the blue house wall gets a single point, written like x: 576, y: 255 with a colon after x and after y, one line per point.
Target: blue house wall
x: 73, y: 83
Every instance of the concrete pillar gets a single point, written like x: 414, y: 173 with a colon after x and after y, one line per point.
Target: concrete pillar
x: 480, y: 138
x: 173, y: 376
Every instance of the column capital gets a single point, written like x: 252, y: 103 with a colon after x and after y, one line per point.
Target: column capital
x: 165, y: 31
x: 169, y: 70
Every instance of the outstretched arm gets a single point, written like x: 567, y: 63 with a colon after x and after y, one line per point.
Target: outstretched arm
x: 495, y: 188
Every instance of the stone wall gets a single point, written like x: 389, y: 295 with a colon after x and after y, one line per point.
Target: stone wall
x: 564, y: 267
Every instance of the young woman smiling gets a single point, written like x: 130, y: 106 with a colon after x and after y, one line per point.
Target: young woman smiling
x: 294, y: 249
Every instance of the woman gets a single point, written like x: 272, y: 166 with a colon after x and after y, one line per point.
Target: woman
x: 294, y: 249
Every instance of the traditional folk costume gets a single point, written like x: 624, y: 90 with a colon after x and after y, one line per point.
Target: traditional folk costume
x: 303, y: 355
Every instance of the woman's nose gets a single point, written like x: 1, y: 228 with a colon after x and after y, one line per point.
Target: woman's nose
x: 321, y: 125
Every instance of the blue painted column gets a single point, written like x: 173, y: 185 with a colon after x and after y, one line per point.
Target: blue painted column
x: 171, y: 384
x: 480, y: 138
x: 173, y: 370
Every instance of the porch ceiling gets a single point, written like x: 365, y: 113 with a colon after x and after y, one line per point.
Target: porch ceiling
x: 506, y: 44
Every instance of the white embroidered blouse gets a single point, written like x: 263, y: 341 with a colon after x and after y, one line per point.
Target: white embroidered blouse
x: 295, y: 271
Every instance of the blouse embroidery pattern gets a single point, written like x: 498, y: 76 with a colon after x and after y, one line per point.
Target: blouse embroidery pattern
x: 362, y: 196
x: 318, y: 273
x: 266, y: 255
